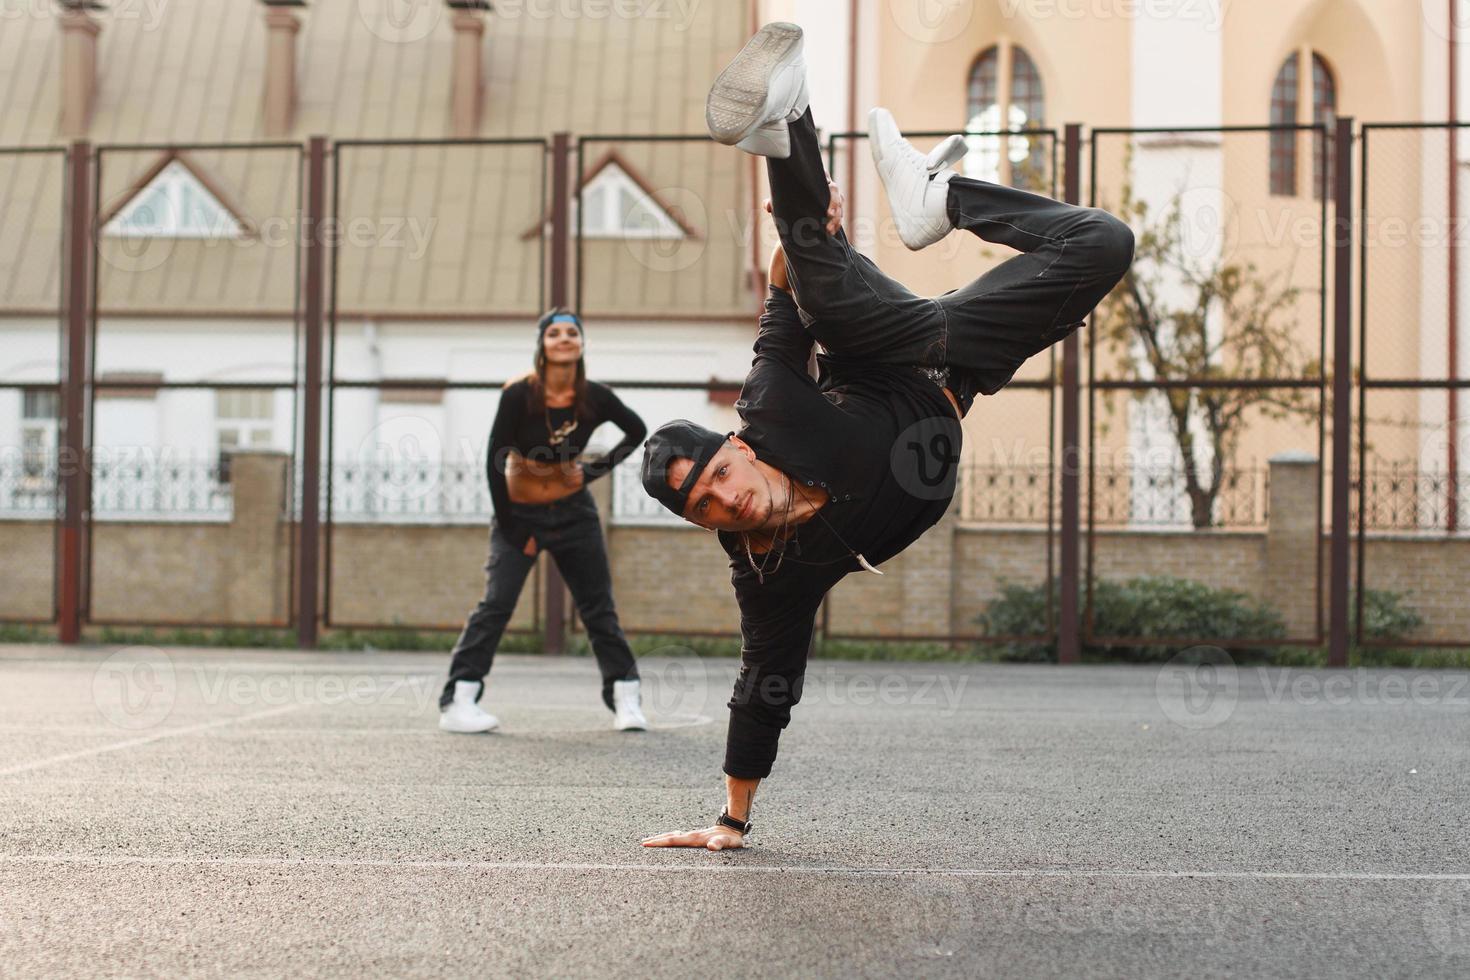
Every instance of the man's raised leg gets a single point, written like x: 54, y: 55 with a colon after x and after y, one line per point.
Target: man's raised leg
x: 1072, y: 258
x: 758, y: 102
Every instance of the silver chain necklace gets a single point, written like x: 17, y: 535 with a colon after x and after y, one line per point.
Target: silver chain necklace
x: 760, y: 570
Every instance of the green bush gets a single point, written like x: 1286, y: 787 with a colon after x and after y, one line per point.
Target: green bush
x: 1149, y: 606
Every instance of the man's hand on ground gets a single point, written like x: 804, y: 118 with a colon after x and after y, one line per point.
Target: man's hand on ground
x: 718, y: 838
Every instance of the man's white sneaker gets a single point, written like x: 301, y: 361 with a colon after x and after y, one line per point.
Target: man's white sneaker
x: 917, y: 186
x: 464, y: 715
x: 627, y: 707
x: 950, y: 151
x: 759, y: 92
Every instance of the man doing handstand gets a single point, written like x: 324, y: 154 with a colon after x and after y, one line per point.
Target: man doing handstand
x: 841, y: 473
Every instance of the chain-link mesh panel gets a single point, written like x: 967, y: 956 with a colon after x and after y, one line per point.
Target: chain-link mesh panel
x: 32, y: 223
x: 664, y: 229
x: 193, y: 429
x: 1411, y: 495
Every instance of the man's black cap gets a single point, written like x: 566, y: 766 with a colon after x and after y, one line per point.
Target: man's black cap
x: 671, y: 441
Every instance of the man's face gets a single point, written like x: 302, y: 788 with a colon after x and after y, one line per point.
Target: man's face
x: 731, y: 494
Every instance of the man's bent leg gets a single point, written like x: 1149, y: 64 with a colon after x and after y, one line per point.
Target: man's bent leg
x: 848, y: 304
x: 1074, y: 256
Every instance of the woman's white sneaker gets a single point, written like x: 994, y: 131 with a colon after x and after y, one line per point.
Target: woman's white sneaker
x: 627, y: 707
x: 464, y: 715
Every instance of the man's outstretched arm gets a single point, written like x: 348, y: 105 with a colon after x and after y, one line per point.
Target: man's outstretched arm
x: 776, y: 624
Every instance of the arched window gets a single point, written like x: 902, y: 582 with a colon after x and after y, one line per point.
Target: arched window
x: 1285, y: 111
x: 1024, y: 157
x: 1283, y: 142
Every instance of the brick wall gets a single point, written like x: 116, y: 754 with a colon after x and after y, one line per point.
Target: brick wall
x: 27, y: 556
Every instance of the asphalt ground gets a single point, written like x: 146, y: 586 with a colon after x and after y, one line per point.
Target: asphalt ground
x: 255, y: 813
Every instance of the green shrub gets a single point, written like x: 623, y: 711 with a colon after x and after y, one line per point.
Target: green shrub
x: 1148, y: 606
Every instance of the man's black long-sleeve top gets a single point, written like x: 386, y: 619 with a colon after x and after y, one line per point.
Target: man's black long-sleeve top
x: 883, y: 442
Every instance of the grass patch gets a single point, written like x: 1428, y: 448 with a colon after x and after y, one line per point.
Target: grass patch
x: 185, y: 636
x: 24, y: 633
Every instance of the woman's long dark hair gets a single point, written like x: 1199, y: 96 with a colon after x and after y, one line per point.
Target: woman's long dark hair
x: 536, y: 390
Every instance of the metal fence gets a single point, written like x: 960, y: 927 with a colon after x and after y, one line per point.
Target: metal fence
x: 1215, y: 341
x: 35, y: 184
x: 1411, y: 432
x: 331, y: 264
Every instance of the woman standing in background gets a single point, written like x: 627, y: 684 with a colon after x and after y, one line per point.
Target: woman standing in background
x: 538, y: 486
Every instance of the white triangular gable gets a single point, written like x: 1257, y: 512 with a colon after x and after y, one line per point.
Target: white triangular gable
x: 174, y: 204
x: 615, y: 206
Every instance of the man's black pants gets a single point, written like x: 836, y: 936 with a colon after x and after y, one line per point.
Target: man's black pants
x: 983, y: 332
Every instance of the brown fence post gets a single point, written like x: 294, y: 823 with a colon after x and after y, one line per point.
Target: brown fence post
x: 309, y: 555
x: 561, y: 194
x: 74, y: 393
x: 1069, y: 642
x: 1342, y: 381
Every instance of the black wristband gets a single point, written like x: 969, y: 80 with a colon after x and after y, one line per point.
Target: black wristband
x: 725, y: 820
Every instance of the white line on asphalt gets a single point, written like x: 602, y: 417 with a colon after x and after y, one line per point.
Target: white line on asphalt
x: 263, y: 862
x: 144, y: 740
x: 429, y: 731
